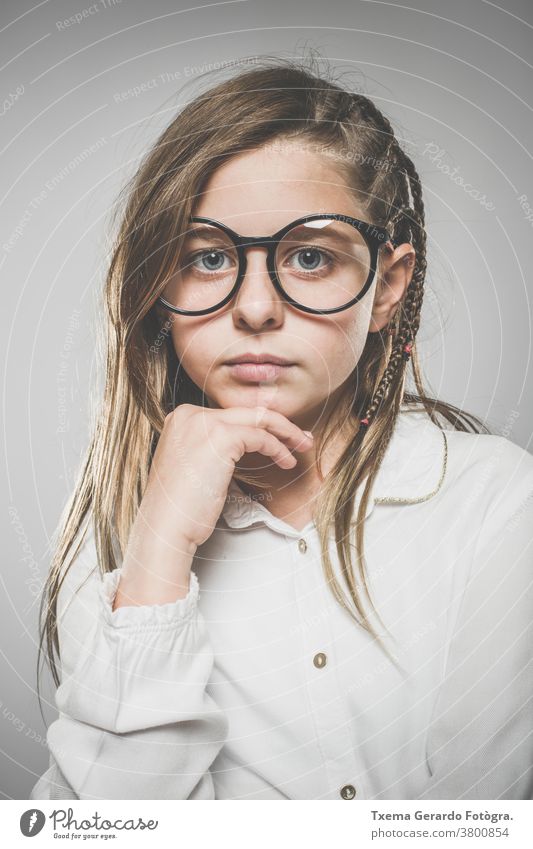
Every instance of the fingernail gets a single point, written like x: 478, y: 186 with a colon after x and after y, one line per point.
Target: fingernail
x: 308, y: 433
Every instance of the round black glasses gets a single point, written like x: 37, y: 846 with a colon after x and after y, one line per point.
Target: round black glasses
x: 321, y: 263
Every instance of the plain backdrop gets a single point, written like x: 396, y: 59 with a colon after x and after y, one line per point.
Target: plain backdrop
x: 83, y: 101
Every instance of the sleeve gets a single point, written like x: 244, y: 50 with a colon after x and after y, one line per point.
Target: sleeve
x: 135, y: 720
x: 480, y: 741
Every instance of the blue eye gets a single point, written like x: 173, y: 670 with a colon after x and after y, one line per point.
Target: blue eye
x: 309, y: 258
x: 211, y: 258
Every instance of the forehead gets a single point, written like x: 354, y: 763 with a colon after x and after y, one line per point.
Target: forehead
x: 260, y: 190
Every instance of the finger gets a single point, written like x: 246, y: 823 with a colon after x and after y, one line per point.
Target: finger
x: 272, y: 421
x: 253, y: 439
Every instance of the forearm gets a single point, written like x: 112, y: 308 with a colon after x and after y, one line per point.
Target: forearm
x: 135, y: 718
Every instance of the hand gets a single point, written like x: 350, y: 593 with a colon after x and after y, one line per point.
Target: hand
x: 195, y: 460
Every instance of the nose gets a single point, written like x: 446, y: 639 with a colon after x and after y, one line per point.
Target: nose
x: 257, y: 303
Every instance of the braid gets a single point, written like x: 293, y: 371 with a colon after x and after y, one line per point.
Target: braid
x: 406, y: 219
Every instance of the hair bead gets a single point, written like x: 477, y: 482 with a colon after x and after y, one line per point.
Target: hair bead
x: 406, y: 351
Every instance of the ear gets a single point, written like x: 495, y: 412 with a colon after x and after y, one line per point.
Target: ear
x: 395, y: 272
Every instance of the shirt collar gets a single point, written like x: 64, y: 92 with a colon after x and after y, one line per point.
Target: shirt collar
x: 412, y: 470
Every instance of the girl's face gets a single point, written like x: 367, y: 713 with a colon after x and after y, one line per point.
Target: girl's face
x: 257, y: 193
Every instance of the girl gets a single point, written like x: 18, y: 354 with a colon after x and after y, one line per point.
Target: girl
x: 264, y: 298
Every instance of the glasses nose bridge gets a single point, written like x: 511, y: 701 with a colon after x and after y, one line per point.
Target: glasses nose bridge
x: 245, y: 242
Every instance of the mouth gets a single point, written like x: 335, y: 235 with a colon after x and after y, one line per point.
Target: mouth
x: 260, y: 359
x: 254, y: 372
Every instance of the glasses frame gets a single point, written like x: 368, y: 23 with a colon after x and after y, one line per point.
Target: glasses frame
x: 374, y: 236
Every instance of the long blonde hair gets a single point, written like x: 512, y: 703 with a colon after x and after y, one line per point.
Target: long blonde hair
x: 275, y: 100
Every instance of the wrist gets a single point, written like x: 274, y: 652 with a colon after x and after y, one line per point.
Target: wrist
x: 155, y: 573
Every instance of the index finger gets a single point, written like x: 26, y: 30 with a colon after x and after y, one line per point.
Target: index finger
x: 271, y: 420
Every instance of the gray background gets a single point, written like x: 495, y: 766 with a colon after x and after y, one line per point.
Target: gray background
x: 454, y: 78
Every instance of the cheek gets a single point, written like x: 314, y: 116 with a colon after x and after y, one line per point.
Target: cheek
x: 337, y: 347
x: 191, y: 345
x: 179, y: 340
x: 200, y: 345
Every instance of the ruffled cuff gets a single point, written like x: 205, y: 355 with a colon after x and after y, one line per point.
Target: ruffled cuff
x: 155, y: 616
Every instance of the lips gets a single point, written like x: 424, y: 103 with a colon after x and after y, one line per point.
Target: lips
x: 258, y: 372
x: 260, y: 359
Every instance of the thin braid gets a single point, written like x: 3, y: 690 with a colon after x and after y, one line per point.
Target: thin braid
x: 408, y: 224
x: 415, y: 293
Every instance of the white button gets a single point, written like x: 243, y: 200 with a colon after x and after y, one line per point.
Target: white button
x: 302, y: 545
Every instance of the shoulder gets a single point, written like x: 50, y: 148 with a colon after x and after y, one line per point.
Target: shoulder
x: 493, y: 463
x: 470, y: 472
x: 466, y: 448
x: 487, y: 474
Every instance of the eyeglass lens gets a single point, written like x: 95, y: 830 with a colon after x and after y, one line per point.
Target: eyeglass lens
x: 321, y: 264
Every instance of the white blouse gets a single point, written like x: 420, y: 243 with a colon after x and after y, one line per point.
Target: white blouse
x: 259, y: 685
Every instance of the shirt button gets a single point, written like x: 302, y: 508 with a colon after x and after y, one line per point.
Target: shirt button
x: 302, y: 545
x: 320, y: 660
x: 348, y: 791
